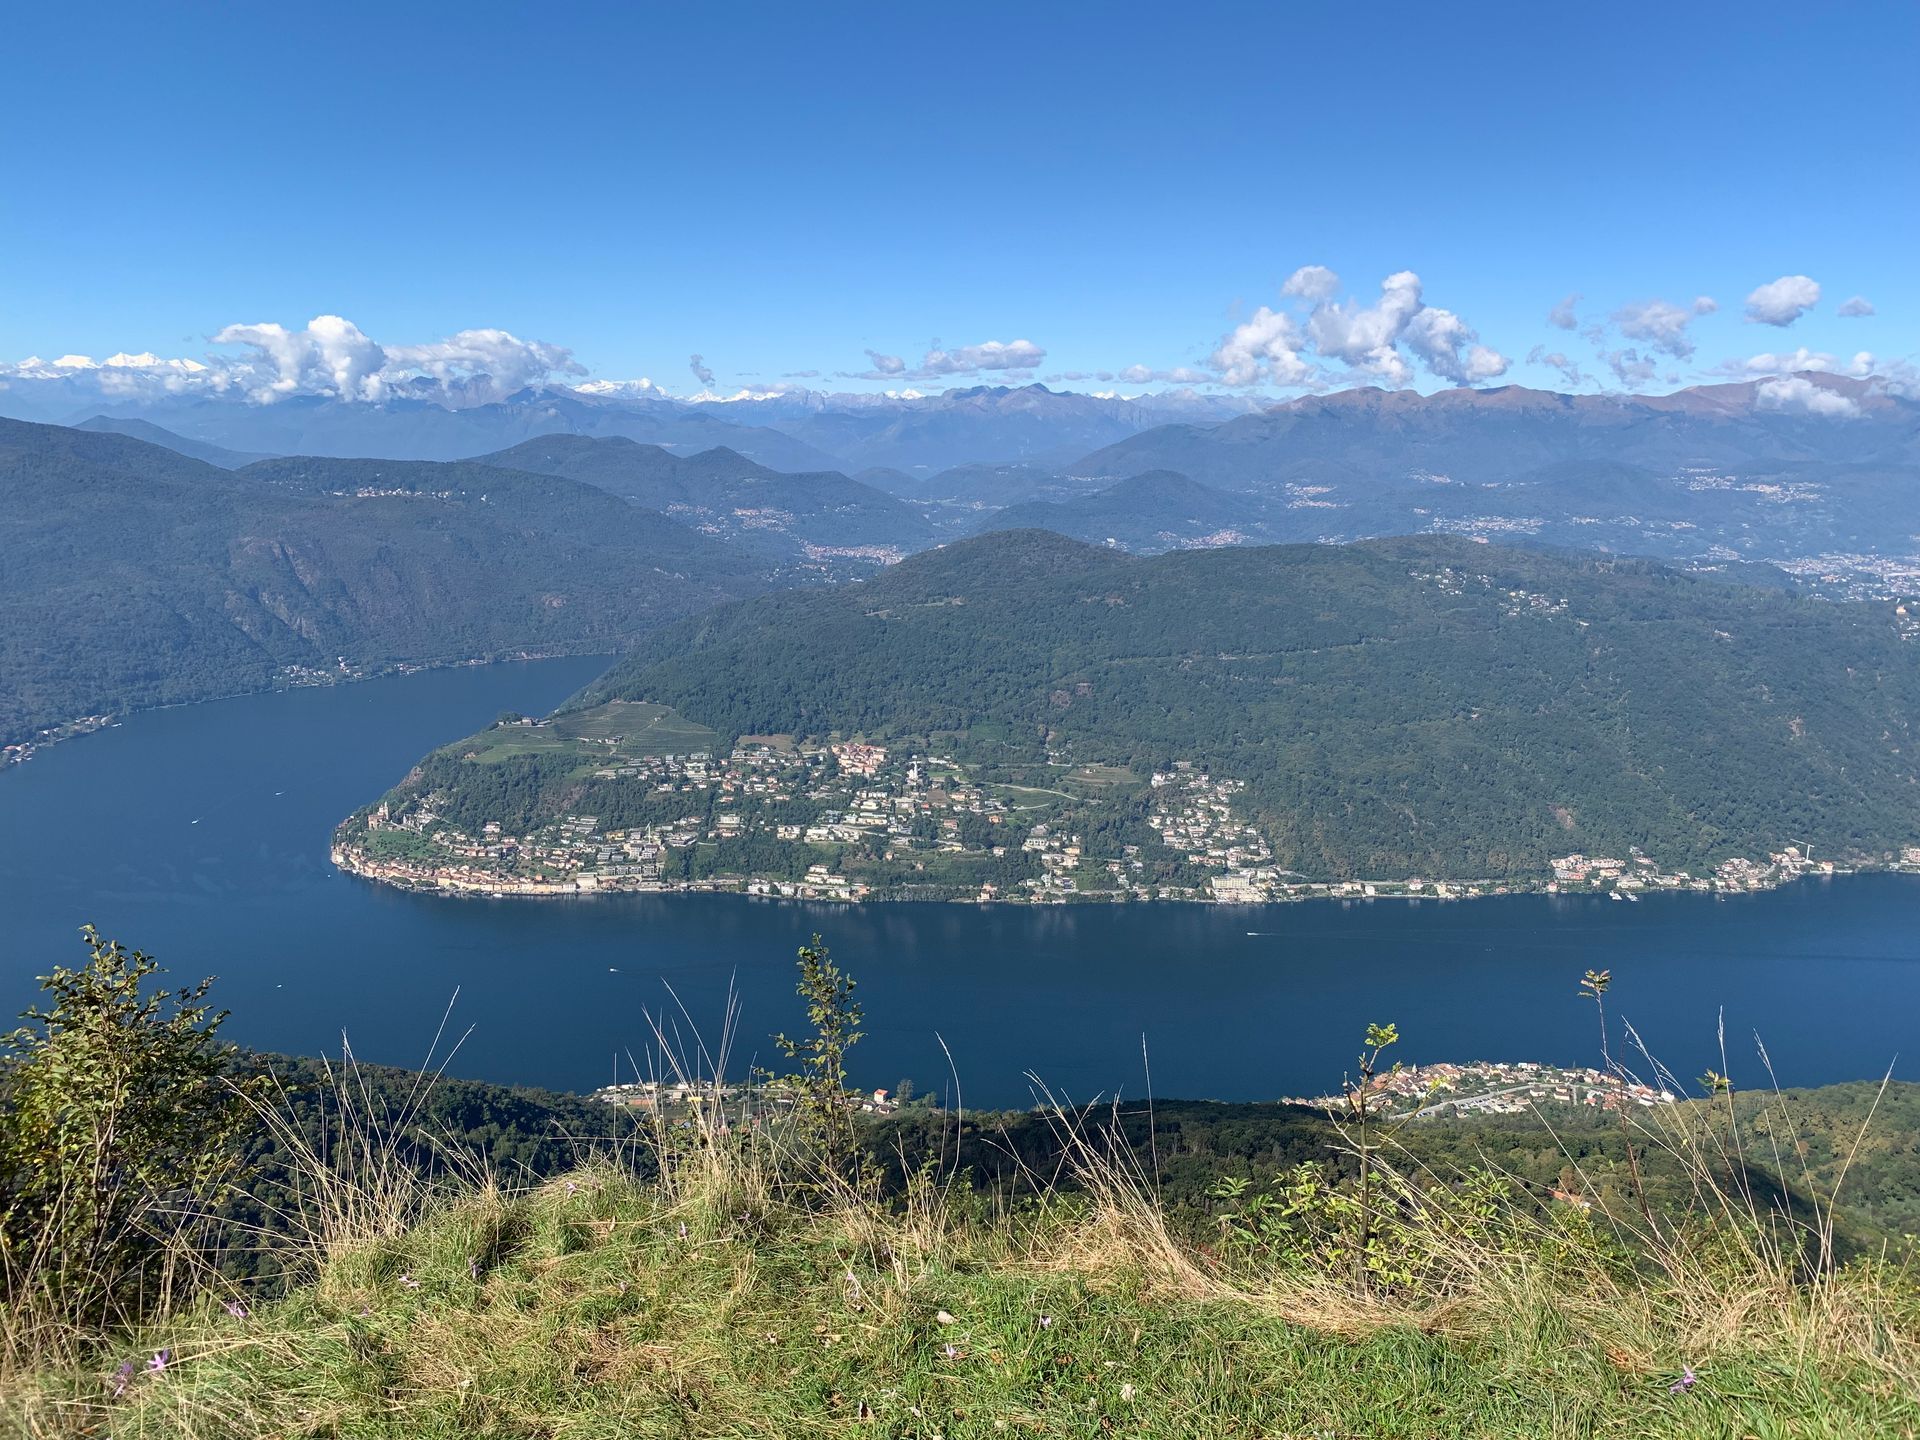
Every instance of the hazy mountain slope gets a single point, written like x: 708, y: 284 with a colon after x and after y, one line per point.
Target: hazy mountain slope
x: 1495, y: 435
x: 1145, y: 514
x: 723, y: 493
x: 990, y: 486
x: 137, y: 576
x: 1424, y: 706
x: 154, y: 435
x: 421, y: 429
x: 981, y: 423
x: 1706, y: 472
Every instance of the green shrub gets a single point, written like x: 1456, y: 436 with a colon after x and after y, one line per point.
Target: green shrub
x: 119, y: 1118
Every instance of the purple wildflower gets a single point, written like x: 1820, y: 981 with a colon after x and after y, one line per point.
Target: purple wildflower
x: 571, y: 1187
x: 236, y: 1309
x: 1685, y: 1383
x: 1046, y: 1322
x: 122, y: 1377
x: 160, y: 1360
x: 683, y: 1229
x: 952, y: 1352
x: 473, y: 1268
x: 408, y: 1281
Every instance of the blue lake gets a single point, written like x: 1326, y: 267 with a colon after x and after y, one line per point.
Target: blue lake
x: 200, y: 834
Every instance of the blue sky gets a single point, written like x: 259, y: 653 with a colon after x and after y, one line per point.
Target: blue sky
x: 783, y: 189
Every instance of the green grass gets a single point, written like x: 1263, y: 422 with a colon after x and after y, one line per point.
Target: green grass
x: 640, y: 729
x: 596, y: 1307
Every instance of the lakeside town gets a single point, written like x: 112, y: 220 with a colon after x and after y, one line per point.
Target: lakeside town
x: 1449, y: 1091
x: 852, y: 821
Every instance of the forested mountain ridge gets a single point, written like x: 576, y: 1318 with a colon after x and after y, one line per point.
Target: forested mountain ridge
x: 1420, y: 706
x: 1146, y: 513
x: 723, y: 493
x: 137, y: 576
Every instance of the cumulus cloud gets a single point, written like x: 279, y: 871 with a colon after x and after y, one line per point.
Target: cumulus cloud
x: 1263, y: 348
x: 1561, y: 316
x: 1273, y: 346
x: 1855, y: 308
x: 989, y: 355
x: 1783, y: 301
x: 1630, y: 367
x: 1797, y: 395
x: 1770, y: 363
x: 701, y: 371
x: 1661, y: 325
x: 1311, y: 282
x: 1569, y: 369
x: 1178, y: 375
x: 265, y: 362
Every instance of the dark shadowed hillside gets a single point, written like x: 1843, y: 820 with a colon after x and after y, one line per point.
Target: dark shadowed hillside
x: 137, y: 576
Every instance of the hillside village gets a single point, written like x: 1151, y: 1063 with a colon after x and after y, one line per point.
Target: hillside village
x: 836, y: 821
x: 848, y: 820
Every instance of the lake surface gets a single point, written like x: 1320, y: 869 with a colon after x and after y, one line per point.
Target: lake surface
x: 200, y: 834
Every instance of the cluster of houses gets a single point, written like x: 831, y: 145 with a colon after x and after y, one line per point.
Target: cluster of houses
x: 852, y: 798
x: 1641, y: 872
x: 1496, y: 1088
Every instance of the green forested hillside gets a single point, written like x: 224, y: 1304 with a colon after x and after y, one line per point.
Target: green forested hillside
x: 1421, y: 706
x: 137, y: 576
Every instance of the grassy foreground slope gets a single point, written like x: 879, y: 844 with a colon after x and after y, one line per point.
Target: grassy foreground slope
x: 765, y: 1262
x: 1423, y: 706
x: 596, y: 1307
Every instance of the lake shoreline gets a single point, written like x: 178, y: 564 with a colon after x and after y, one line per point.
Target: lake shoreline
x: 398, y: 876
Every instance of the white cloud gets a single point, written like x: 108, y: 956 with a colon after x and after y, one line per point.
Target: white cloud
x: 1855, y: 308
x: 1783, y: 301
x: 1561, y: 316
x: 1273, y: 346
x: 331, y: 356
x: 1770, y: 363
x: 1311, y: 282
x: 1797, y: 395
x: 1569, y: 369
x: 1263, y: 348
x: 1661, y: 325
x: 989, y: 355
x: 1450, y: 348
x: 1178, y: 375
x: 479, y: 366
x: 1630, y: 367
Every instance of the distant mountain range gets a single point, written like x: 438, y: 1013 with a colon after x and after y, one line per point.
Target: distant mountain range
x: 138, y: 576
x: 1720, y: 471
x: 800, y: 431
x: 1418, y: 706
x: 1767, y: 469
